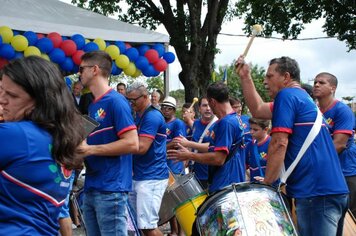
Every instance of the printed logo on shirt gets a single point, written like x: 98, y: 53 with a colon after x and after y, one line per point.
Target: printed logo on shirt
x: 212, y: 135
x: 65, y: 173
x: 263, y: 155
x: 330, y: 122
x: 168, y: 131
x: 100, y: 114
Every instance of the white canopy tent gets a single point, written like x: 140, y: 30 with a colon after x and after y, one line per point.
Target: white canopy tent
x: 45, y: 16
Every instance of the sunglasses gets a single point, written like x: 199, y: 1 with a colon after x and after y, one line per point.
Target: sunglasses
x: 81, y: 68
x: 167, y: 108
x: 133, y: 100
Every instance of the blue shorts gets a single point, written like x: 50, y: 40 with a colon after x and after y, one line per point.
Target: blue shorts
x: 146, y: 201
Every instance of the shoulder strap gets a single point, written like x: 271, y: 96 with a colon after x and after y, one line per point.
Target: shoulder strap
x: 309, y: 139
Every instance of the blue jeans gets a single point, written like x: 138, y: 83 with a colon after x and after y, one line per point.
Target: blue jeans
x: 323, y: 215
x: 105, y: 213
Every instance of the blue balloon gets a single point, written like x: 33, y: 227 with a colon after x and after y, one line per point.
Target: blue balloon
x: 15, y: 32
x: 169, y: 57
x: 114, y: 68
x: 75, y: 68
x: 0, y: 40
x: 79, y: 40
x: 141, y: 63
x: 132, y: 54
x: 121, y: 45
x: 143, y: 49
x: 18, y: 55
x: 31, y: 37
x: 64, y: 38
x: 7, y: 51
x: 159, y: 48
x: 57, y: 56
x: 45, y: 45
x: 91, y: 46
x: 149, y: 71
x: 67, y: 64
x: 69, y: 83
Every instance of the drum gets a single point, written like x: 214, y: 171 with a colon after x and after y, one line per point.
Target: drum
x: 166, y: 211
x: 184, y: 188
x: 245, y: 209
x: 186, y: 212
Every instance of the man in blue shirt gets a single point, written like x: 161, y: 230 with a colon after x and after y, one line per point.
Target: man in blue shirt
x: 150, y: 170
x: 317, y: 183
x: 108, y: 159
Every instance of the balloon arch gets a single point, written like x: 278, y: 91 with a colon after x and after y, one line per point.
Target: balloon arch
x: 149, y: 60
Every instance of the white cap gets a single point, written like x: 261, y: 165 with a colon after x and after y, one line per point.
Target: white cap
x: 169, y: 101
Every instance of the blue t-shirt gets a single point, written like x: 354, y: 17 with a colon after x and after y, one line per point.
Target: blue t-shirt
x: 153, y: 164
x: 109, y: 173
x: 175, y: 128
x: 341, y: 120
x: 201, y: 170
x: 227, y: 131
x: 318, y: 172
x: 33, y: 187
x: 262, y: 155
x: 246, y: 125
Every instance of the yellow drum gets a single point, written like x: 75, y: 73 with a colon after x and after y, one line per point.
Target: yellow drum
x: 186, y: 212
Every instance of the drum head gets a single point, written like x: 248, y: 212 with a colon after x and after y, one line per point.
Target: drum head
x: 247, y: 209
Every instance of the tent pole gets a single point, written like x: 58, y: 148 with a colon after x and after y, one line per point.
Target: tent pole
x: 166, y: 75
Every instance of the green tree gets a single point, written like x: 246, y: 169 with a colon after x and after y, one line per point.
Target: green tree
x: 193, y: 25
x: 288, y: 17
x: 233, y: 82
x: 349, y: 99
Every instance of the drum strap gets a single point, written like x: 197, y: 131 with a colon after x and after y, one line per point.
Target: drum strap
x: 309, y: 139
x: 213, y: 169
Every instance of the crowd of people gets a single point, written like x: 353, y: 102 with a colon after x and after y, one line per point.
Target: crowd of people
x: 305, y: 141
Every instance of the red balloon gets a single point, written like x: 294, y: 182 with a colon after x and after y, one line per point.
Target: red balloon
x: 3, y: 62
x: 39, y: 35
x: 55, y: 38
x: 152, y: 56
x: 77, y: 57
x: 127, y: 45
x: 160, y: 65
x: 69, y: 47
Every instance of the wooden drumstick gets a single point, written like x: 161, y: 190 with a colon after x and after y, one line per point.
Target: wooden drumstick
x: 256, y: 30
x: 195, y: 100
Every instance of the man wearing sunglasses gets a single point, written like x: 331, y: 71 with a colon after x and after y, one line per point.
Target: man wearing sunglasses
x: 108, y: 150
x: 150, y: 171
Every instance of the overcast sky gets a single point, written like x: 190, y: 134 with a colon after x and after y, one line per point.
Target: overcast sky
x: 313, y: 56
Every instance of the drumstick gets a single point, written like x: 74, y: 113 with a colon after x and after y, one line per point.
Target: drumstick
x: 256, y: 29
x: 194, y: 101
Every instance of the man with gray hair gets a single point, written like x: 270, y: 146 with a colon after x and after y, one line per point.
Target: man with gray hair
x: 316, y: 183
x: 150, y: 171
x: 155, y: 98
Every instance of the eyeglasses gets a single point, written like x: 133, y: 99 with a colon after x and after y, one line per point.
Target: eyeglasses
x: 81, y: 68
x: 134, y: 100
x: 167, y: 108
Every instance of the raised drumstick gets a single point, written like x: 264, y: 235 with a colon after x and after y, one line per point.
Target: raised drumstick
x: 256, y: 30
x: 195, y: 100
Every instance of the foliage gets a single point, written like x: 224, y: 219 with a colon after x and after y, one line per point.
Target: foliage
x: 349, y: 99
x: 152, y: 83
x: 193, y: 25
x: 288, y: 17
x: 234, y: 84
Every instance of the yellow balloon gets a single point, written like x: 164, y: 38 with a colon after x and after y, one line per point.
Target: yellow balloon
x: 101, y: 43
x: 130, y: 70
x: 137, y: 73
x: 6, y: 34
x: 113, y: 51
x: 19, y: 42
x: 87, y: 41
x: 45, y: 56
x: 32, y: 51
x: 122, y: 61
